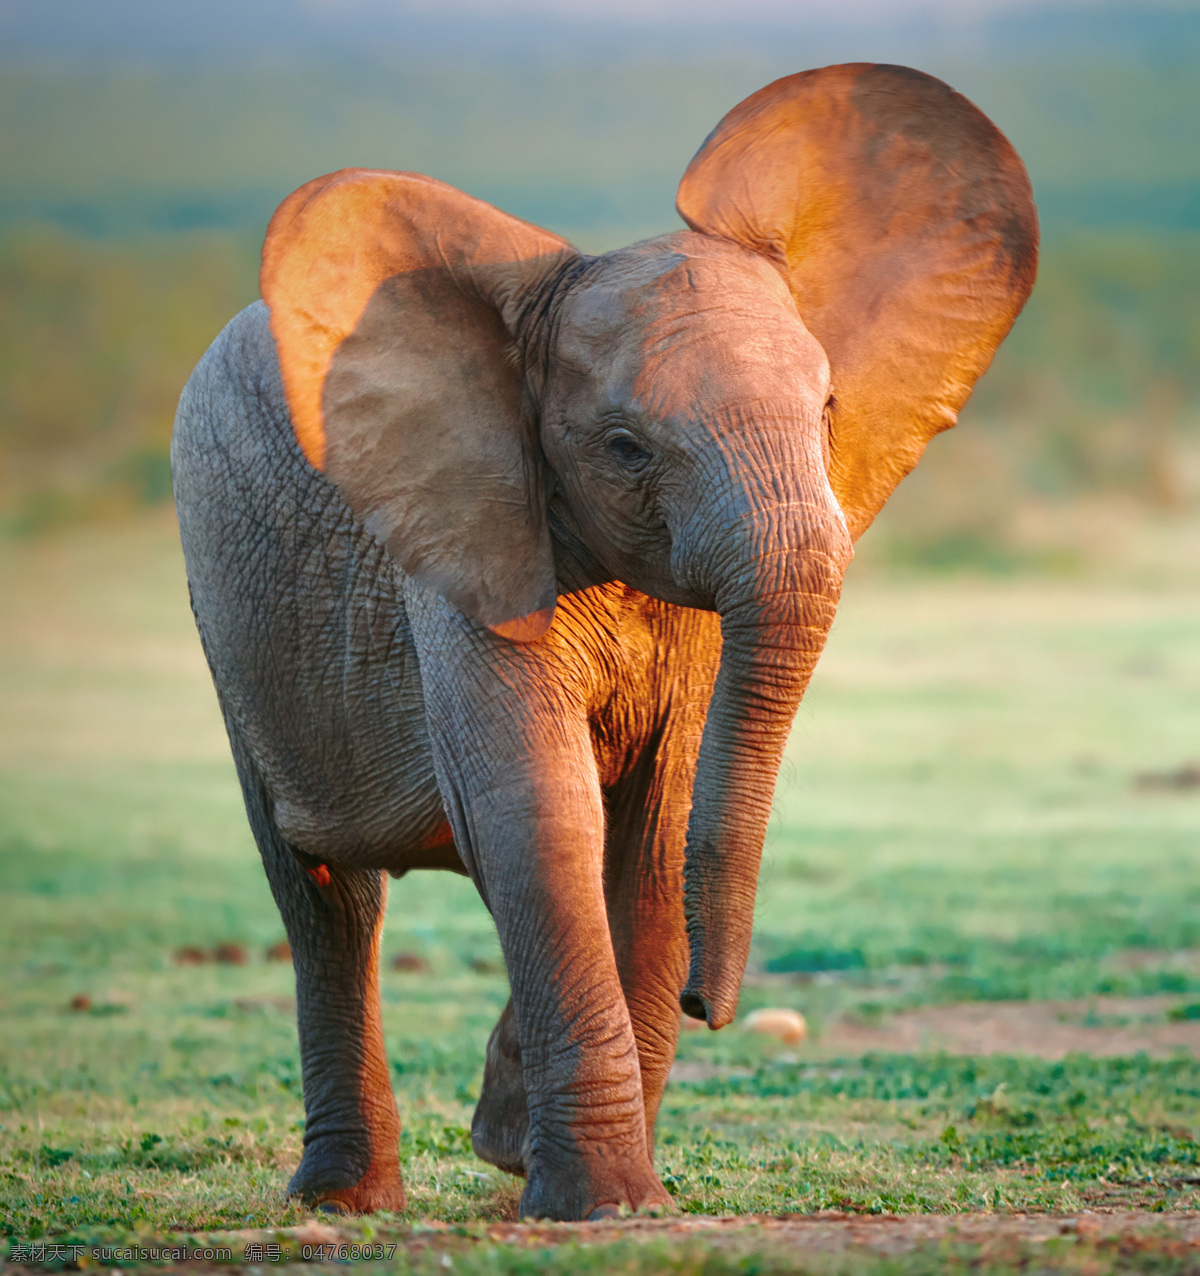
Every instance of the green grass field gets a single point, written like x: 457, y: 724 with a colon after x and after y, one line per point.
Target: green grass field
x: 958, y: 821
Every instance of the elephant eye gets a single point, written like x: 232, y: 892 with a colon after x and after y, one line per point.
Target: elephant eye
x: 626, y: 450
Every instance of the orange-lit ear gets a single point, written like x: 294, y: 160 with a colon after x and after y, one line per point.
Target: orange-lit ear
x: 394, y: 301
x: 905, y: 225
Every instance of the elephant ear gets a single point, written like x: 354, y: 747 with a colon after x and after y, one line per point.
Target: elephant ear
x: 394, y: 304
x: 904, y: 223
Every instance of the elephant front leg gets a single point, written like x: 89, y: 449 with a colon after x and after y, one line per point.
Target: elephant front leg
x: 513, y: 754
x: 646, y: 833
x: 333, y: 918
x: 586, y: 1150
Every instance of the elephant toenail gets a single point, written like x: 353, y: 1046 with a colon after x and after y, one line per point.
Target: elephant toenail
x: 603, y: 1213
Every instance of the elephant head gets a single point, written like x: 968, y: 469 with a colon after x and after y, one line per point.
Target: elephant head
x: 710, y: 417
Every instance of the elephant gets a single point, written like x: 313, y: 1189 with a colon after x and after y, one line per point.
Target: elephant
x: 515, y: 561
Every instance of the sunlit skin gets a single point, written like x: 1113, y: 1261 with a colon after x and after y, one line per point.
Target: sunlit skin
x: 516, y: 563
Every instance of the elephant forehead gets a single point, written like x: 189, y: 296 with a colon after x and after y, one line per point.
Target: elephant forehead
x: 676, y: 332
x: 730, y: 353
x: 674, y: 276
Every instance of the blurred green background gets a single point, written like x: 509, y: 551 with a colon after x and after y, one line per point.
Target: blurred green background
x: 142, y: 151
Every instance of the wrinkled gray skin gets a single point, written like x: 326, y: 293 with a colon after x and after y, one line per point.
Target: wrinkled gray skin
x: 679, y: 401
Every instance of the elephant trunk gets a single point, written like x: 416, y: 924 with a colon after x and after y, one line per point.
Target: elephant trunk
x: 774, y: 622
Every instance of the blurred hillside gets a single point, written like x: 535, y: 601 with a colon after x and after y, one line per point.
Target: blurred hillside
x: 142, y: 156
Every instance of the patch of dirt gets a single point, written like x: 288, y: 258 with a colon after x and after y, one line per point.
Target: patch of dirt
x: 1047, y: 1029
x: 1184, y: 777
x: 1044, y: 1029
x: 1176, y: 1235
x: 1187, y: 959
x: 830, y: 1230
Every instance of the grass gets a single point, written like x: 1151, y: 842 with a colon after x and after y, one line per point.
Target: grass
x: 957, y: 820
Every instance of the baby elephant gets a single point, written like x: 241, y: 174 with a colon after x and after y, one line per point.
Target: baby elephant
x: 516, y: 562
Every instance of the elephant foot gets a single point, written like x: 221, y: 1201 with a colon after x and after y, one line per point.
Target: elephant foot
x: 332, y: 1189
x: 500, y: 1140
x: 594, y: 1193
x: 500, y: 1127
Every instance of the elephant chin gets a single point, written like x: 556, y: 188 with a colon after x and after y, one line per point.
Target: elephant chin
x: 770, y: 646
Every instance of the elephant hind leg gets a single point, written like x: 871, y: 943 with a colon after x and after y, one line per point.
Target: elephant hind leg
x: 500, y: 1127
x: 352, y: 1129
